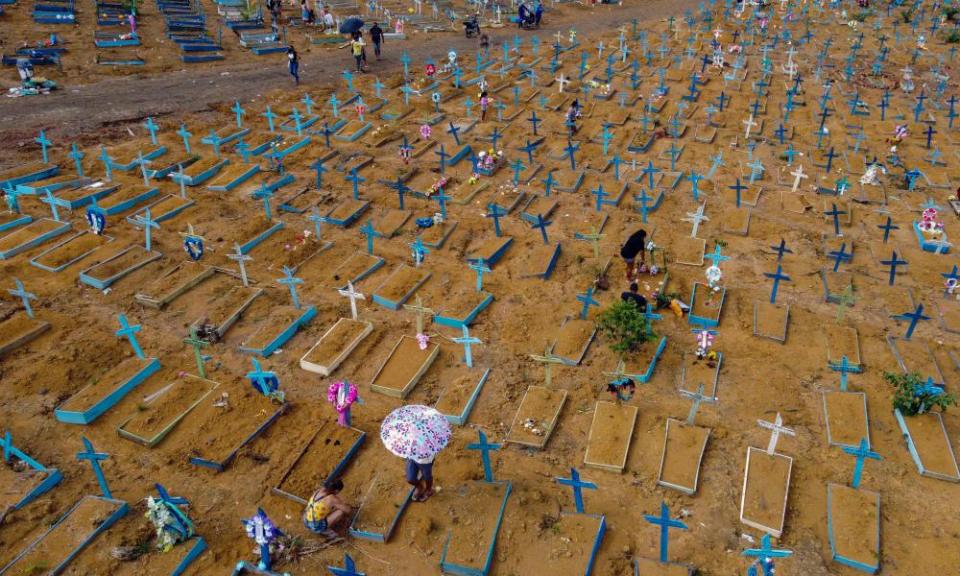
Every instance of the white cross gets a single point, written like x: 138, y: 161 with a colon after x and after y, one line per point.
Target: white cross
x: 750, y: 124
x: 717, y: 32
x: 353, y: 295
x: 241, y: 259
x: 696, y: 218
x: 559, y: 36
x: 797, y: 175
x: 562, y: 81
x: 776, y: 428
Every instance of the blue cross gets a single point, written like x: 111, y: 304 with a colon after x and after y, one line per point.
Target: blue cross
x: 334, y: 104
x: 835, y: 213
x: 320, y: 169
x: 401, y: 188
x: 541, y: 224
x: 776, y: 277
x: 290, y: 281
x: 577, y: 485
x: 861, y: 452
x: 530, y: 148
x: 25, y: 297
x: 643, y: 199
x: 355, y: 179
x: 887, y: 227
x: 914, y: 317
x: 349, y: 568
x: 893, y: 263
x: 649, y: 171
x: 781, y: 249
x: 148, y: 224
x: 601, y: 195
x: 518, y: 167
x: 738, y: 188
x: 151, y: 127
x: 455, y: 132
x: 419, y: 251
x: 467, y: 340
x: 405, y: 59
x: 650, y: 316
x: 297, y: 117
x: 571, y: 150
x: 495, y: 137
x: 317, y: 221
x: 265, y: 382
x: 840, y: 256
x: 185, y: 134
x: 665, y: 523
x: 442, y: 153
x: 695, y: 179
x: 308, y: 103
x: 481, y: 268
x: 441, y: 198
x: 468, y: 104
x: 952, y: 275
x: 130, y: 333
x: 496, y: 212
x: 716, y: 258
x: 52, y: 201
x: 766, y: 553
x: 587, y: 300
x: 44, y: 142
x: 534, y: 121
x: 370, y: 232
x: 77, y: 157
x: 238, y: 110
x: 844, y: 367
x: 95, y: 458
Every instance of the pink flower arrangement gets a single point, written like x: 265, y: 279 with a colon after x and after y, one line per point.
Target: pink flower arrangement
x: 342, y: 395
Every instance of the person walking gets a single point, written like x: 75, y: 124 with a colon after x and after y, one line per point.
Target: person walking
x: 293, y: 62
x: 376, y: 36
x: 635, y: 246
x: 484, y: 104
x: 356, y: 48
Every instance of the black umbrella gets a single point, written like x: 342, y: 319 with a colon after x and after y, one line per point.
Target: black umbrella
x: 351, y: 25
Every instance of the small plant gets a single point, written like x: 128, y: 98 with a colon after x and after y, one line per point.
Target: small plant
x: 907, y: 16
x: 951, y: 13
x: 953, y: 37
x: 861, y: 16
x: 625, y: 325
x: 914, y: 396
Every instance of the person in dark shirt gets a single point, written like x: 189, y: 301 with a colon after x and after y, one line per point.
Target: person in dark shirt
x: 376, y: 36
x: 635, y: 297
x: 635, y: 245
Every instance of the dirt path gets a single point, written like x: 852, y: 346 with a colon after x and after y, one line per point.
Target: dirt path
x: 68, y: 113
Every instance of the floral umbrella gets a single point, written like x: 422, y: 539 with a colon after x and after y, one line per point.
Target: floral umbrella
x: 415, y: 431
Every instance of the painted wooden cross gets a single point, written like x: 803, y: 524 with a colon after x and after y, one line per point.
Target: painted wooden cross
x: 265, y: 193
x: 529, y: 149
x: 861, y: 453
x: 738, y: 188
x: 797, y: 176
x: 485, y: 447
x: 840, y: 256
x: 263, y: 531
x: 349, y: 568
x: 776, y: 428
x: 534, y: 121
x: 44, y: 142
x: 467, y: 341
x: 481, y: 268
x: 441, y: 197
x: 419, y: 251
x: 716, y: 257
x: 766, y: 553
x: 887, y: 227
x: 290, y: 281
x: 594, y: 238
x: 577, y: 485
x: 95, y: 458
x: 571, y: 150
x: 914, y: 317
x: 370, y: 232
x: 781, y: 249
x: 893, y: 263
x: 351, y: 293
x: 495, y: 212
x: 696, y: 218
x: 24, y: 296
x: 185, y: 134
x: 587, y: 300
x: 130, y: 333
x: 844, y: 367
x: 241, y: 260
x: 356, y: 180
x: 77, y: 157
x: 649, y: 171
x: 148, y: 224
x: 265, y: 382
x: 548, y: 360
x: 835, y: 213
x: 238, y: 111
x: 51, y: 200
x: 548, y: 183
x: 776, y: 277
x: 152, y: 128
x: 420, y: 310
x: 540, y: 224
x: 562, y: 82
x: 750, y: 124
x: 665, y: 522
x: 270, y: 116
x: 198, y: 344
x: 697, y: 397
x: 401, y: 189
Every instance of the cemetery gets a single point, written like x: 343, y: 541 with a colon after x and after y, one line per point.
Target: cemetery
x: 427, y: 282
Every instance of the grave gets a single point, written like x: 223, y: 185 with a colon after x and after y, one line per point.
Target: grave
x: 346, y: 212
x: 383, y: 503
x: 30, y: 236
x: 457, y: 398
x: 400, y: 286
x: 30, y: 172
x: 173, y: 283
x: 435, y: 236
x: 853, y: 518
x: 254, y: 230
x: 491, y: 250
x: 117, y: 266
x: 324, y: 456
x: 845, y: 414
x: 573, y: 340
x: 641, y: 365
x: 10, y: 220
x: 843, y: 341
x: 576, y: 540
x: 929, y: 445
x: 610, y: 435
x: 766, y: 484
x: 353, y: 269
x: 695, y: 372
x: 771, y: 320
x: 103, y: 393
x: 163, y: 410
x: 69, y: 251
x: 914, y: 356
x: 537, y: 416
x: 215, y: 435
x: 335, y: 346
x: 403, y: 367
x: 706, y: 310
x: 280, y: 325
x: 22, y: 479
x: 680, y: 461
x: 199, y: 172
x: 462, y: 308
x: 19, y: 330
x: 232, y: 177
x: 469, y: 547
x: 389, y: 222
x: 126, y: 197
x: 689, y: 251
x: 541, y: 261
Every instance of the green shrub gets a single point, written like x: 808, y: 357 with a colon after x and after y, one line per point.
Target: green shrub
x: 953, y: 37
x: 912, y: 396
x: 624, y: 324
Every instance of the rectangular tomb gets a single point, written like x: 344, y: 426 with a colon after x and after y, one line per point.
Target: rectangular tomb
x: 404, y: 367
x: 610, y: 434
x: 335, y: 346
x: 536, y: 417
x: 324, y: 456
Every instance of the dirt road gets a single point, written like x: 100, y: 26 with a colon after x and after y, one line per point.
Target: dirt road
x: 75, y: 111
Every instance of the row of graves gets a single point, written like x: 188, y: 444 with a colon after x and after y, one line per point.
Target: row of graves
x: 383, y: 238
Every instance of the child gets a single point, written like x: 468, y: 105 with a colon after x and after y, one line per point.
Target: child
x: 357, y: 47
x: 484, y: 103
x: 420, y: 476
x: 636, y: 244
x: 325, y: 509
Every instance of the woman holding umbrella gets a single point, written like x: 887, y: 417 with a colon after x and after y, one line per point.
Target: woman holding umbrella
x: 416, y: 433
